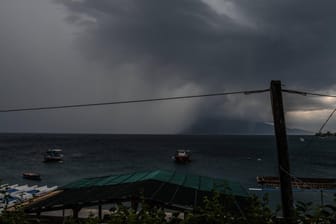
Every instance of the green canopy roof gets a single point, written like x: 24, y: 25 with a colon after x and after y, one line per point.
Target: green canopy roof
x: 196, y: 182
x: 170, y: 189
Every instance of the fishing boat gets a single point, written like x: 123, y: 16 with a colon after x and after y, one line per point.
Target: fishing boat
x: 299, y: 182
x: 31, y: 176
x: 182, y: 156
x: 53, y: 155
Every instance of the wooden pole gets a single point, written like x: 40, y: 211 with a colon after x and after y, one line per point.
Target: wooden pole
x: 282, y: 147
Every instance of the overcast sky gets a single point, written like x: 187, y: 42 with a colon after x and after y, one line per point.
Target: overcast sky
x: 56, y: 52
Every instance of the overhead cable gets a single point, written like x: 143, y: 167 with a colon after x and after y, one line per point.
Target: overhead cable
x: 133, y: 101
x: 304, y: 93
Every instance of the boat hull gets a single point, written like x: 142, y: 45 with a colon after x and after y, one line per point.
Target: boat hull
x: 182, y: 159
x: 53, y: 155
x: 52, y: 159
x: 31, y: 176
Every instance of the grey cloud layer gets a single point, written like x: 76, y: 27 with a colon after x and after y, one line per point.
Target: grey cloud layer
x: 127, y: 49
x: 198, y: 42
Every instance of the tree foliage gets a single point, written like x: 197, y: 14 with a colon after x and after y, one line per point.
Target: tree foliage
x: 219, y: 209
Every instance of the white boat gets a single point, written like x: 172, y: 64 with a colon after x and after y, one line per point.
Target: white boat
x: 182, y: 156
x: 53, y: 155
x: 15, y: 194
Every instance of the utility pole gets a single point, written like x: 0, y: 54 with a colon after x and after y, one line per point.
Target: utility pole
x: 282, y: 147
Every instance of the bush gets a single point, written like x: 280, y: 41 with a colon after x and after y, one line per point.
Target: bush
x: 219, y: 209
x: 15, y: 217
x: 306, y: 213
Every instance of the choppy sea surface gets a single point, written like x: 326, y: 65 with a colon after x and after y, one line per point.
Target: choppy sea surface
x: 234, y: 157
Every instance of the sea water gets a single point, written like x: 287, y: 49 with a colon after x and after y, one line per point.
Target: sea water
x: 233, y: 157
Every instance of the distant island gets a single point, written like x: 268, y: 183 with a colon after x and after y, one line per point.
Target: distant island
x: 215, y: 125
x: 325, y: 134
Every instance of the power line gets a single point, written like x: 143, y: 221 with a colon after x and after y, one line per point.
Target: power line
x: 133, y: 101
x: 304, y: 93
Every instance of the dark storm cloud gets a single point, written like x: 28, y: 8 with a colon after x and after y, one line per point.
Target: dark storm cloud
x: 184, y: 35
x: 56, y: 52
x: 305, y: 35
x: 217, y: 45
x: 288, y: 40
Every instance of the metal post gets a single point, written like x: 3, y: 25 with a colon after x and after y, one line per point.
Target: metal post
x: 100, y: 216
x: 75, y: 212
x: 282, y: 147
x: 63, y: 215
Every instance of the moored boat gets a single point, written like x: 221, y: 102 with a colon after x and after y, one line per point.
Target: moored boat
x: 299, y: 182
x: 182, y: 156
x: 53, y: 155
x: 14, y: 195
x: 31, y: 176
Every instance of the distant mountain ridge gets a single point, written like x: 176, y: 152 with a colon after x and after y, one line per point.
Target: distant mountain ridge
x: 220, y: 126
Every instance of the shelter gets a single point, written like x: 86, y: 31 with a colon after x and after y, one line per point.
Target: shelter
x: 167, y: 189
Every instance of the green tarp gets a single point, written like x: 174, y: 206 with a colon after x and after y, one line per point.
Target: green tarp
x: 196, y: 182
x: 167, y: 188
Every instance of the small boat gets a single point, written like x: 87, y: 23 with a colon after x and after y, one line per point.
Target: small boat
x: 53, y: 155
x: 182, y: 156
x: 18, y: 194
x: 31, y: 176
